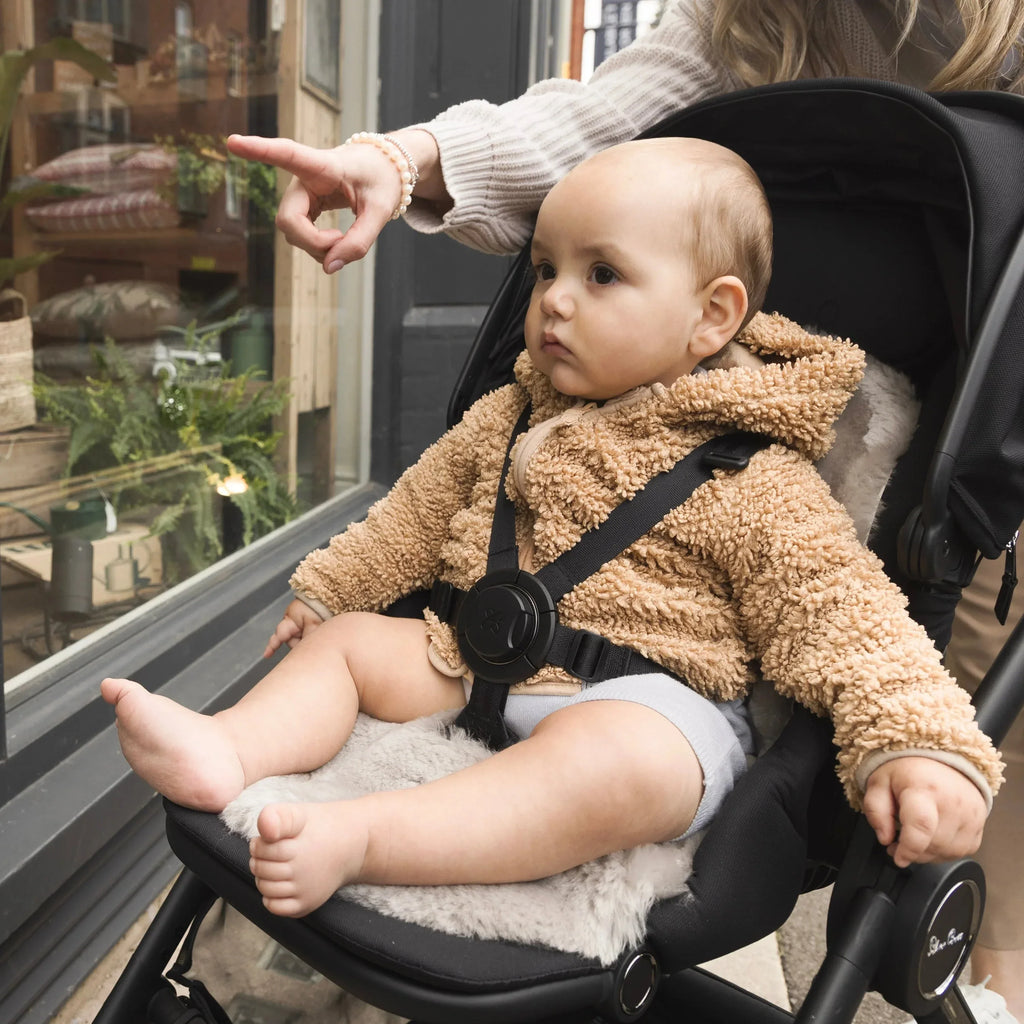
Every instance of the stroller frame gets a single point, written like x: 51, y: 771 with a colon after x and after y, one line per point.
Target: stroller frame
x: 958, y: 491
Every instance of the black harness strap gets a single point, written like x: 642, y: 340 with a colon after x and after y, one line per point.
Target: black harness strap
x: 637, y: 516
x: 503, y: 551
x: 507, y: 624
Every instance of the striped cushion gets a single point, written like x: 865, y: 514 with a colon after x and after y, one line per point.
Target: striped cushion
x: 116, y: 309
x: 143, y: 209
x: 110, y: 168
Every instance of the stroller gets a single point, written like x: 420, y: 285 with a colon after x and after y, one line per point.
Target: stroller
x: 898, y: 224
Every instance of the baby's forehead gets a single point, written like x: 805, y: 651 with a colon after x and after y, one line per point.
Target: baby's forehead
x: 580, y: 211
x: 624, y: 185
x: 629, y: 246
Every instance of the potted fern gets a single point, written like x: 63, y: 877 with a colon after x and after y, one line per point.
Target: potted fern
x: 17, y: 408
x: 176, y: 452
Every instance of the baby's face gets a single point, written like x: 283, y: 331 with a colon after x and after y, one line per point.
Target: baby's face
x: 615, y: 303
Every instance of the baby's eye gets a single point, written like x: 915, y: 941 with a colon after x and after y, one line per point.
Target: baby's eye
x: 603, y: 275
x: 544, y: 271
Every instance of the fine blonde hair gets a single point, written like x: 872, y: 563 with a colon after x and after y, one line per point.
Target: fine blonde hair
x: 787, y: 39
x: 731, y: 223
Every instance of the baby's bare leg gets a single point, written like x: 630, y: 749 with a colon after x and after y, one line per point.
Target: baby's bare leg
x: 294, y: 720
x: 593, y: 778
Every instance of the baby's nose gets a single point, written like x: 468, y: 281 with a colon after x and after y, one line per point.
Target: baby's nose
x: 557, y: 300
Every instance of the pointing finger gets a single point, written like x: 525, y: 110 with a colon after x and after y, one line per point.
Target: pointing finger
x: 305, y: 162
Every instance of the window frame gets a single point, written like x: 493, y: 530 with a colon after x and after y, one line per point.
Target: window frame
x: 83, y: 836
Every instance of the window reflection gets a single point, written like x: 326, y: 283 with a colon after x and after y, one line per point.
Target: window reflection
x: 161, y: 370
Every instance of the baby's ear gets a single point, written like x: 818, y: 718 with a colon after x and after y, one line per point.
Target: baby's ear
x: 724, y: 307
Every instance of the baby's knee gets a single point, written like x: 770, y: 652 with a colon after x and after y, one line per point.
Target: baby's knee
x: 643, y: 759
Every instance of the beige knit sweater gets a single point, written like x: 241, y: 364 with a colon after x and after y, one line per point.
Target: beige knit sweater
x: 499, y: 161
x: 760, y: 572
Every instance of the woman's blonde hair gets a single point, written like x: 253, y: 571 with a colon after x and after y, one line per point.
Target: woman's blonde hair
x: 787, y: 39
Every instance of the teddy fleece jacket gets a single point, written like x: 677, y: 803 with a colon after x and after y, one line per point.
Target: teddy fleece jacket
x: 758, y: 574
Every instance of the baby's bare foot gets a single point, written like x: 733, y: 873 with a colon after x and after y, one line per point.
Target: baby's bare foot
x: 186, y: 756
x: 304, y: 852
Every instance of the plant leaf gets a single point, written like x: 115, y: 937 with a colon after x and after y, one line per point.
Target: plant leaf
x: 16, y: 64
x: 10, y: 268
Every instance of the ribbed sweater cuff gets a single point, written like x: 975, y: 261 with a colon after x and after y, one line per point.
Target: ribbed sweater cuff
x: 468, y: 181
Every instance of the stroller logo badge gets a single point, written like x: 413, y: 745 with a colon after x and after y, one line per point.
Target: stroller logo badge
x: 937, y: 945
x: 491, y: 620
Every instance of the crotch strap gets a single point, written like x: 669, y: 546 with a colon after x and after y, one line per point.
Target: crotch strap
x: 507, y: 623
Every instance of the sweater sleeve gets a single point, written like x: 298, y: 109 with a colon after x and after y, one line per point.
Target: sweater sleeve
x: 396, y: 549
x: 832, y: 631
x: 499, y: 161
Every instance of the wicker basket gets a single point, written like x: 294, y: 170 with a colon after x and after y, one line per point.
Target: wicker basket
x: 17, y: 406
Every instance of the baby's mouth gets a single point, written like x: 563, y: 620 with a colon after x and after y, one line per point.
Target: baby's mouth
x: 550, y: 343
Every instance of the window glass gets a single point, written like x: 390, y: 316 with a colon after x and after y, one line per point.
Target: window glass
x: 175, y: 380
x: 611, y: 25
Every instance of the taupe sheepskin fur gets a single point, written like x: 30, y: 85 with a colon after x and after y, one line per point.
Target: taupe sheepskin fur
x: 759, y: 573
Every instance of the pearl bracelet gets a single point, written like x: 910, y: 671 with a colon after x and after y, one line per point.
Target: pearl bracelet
x: 399, y: 156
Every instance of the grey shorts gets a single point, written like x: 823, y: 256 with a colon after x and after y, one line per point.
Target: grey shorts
x: 719, y: 733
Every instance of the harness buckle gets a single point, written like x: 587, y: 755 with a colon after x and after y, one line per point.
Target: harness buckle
x: 505, y: 626
x: 726, y: 460
x: 586, y: 655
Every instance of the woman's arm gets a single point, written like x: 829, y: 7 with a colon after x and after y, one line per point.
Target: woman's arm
x: 483, y: 167
x: 360, y: 178
x: 499, y: 161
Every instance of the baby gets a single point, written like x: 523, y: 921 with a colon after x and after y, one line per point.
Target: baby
x: 650, y: 258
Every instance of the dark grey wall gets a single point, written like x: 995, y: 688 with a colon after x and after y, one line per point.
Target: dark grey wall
x: 428, y: 288
x: 83, y: 845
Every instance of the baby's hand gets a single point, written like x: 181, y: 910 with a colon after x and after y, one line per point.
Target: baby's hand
x: 299, y: 620
x: 923, y: 810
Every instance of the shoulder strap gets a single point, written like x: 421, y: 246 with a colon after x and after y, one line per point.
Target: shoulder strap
x: 637, y: 516
x: 503, y: 552
x: 627, y: 522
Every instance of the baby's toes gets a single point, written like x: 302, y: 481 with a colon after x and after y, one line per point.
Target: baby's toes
x: 283, y: 899
x: 275, y: 890
x: 113, y: 690
x: 286, y: 908
x: 279, y: 822
x: 271, y: 870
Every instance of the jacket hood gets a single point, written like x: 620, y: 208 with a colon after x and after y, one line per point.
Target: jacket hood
x: 793, y: 391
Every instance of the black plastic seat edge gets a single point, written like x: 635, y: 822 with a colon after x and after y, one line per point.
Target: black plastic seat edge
x: 378, y: 983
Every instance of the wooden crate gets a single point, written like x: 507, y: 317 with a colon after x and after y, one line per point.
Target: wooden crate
x: 121, y: 561
x: 34, y: 455
x: 17, y: 404
x: 32, y: 463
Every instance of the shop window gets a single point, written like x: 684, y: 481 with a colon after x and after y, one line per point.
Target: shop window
x: 158, y: 366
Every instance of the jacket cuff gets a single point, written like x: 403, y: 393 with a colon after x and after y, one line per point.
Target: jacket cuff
x: 321, y: 609
x: 877, y: 758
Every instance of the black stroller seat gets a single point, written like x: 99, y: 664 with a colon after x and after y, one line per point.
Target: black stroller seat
x: 898, y: 226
